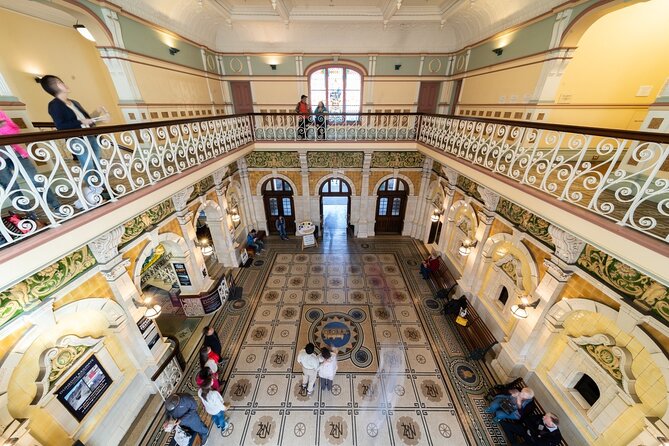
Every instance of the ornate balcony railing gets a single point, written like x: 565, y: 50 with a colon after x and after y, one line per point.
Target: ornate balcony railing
x: 620, y: 175
x: 335, y: 127
x: 49, y: 177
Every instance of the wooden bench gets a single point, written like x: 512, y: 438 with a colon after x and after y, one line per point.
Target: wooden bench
x: 442, y: 279
x: 534, y: 408
x: 477, y: 337
x: 260, y: 236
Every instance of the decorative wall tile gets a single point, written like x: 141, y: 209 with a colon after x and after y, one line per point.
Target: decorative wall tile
x: 646, y: 293
x: 201, y: 187
x: 469, y: 187
x: 135, y: 227
x: 272, y: 160
x: 334, y: 159
x: 396, y: 160
x: 525, y: 221
x: 28, y: 293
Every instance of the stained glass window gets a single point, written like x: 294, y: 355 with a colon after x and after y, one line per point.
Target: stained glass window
x: 340, y: 90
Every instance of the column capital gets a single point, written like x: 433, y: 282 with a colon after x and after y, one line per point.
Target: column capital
x: 451, y: 175
x: 180, y: 199
x: 558, y: 269
x: 105, y: 247
x: 184, y: 217
x: 219, y: 175
x: 568, y: 247
x: 486, y: 217
x: 114, y: 269
x: 490, y: 198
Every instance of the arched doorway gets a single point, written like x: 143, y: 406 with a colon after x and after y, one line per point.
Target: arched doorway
x: 335, y: 205
x: 278, y: 198
x: 390, y: 206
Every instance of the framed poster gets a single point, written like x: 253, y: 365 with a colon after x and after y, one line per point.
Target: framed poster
x: 84, y: 388
x: 182, y: 274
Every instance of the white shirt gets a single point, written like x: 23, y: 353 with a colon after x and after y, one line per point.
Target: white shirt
x: 309, y: 361
x: 214, y: 402
x: 328, y: 369
x: 211, y: 364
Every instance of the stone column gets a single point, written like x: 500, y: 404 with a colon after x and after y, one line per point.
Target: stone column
x: 518, y: 353
x: 365, y: 228
x: 193, y: 258
x: 421, y: 217
x: 112, y: 265
x: 452, y: 180
x: 220, y: 229
x: 306, y: 212
x: 247, y: 195
x: 469, y: 279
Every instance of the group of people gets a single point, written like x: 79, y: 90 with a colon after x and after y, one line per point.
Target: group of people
x: 306, y: 116
x: 66, y: 114
x: 182, y: 408
x: 323, y: 367
x: 513, y: 411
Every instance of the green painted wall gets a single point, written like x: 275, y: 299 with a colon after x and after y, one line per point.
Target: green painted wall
x: 235, y: 65
x: 385, y: 65
x: 309, y: 60
x: 285, y: 65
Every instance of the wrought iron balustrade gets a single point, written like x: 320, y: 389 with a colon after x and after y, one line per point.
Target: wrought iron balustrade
x: 335, y: 126
x: 619, y: 175
x: 49, y: 177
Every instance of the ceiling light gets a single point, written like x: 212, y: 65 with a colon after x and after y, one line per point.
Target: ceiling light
x: 38, y: 79
x: 84, y: 32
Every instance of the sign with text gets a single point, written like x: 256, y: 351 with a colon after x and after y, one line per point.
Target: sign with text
x: 84, y: 388
x: 308, y: 241
x: 182, y: 274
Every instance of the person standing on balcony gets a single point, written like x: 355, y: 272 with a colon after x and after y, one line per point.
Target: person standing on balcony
x: 320, y: 119
x: 7, y: 128
x: 303, y: 109
x: 68, y: 114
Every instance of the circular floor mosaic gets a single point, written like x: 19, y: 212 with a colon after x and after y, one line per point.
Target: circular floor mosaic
x: 341, y: 331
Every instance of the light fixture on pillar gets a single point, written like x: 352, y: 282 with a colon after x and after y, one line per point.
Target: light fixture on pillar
x: 520, y: 310
x: 152, y: 311
x: 272, y: 66
x: 85, y: 33
x: 206, y: 248
x: 234, y: 215
x: 663, y: 441
x: 435, y: 215
x: 466, y: 247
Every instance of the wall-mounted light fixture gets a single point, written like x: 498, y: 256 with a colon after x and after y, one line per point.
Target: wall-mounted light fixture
x: 663, y: 441
x: 38, y: 79
x: 498, y: 51
x: 234, y: 215
x: 272, y: 66
x: 398, y: 66
x: 435, y: 215
x: 173, y: 50
x: 466, y: 247
x: 85, y: 33
x: 205, y: 247
x: 520, y: 311
x: 152, y: 311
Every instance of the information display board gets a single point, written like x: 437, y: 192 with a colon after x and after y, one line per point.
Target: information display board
x: 84, y: 388
x: 182, y: 274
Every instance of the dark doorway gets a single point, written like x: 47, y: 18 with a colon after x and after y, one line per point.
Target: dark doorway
x: 390, y: 206
x: 503, y: 295
x: 435, y: 232
x: 278, y: 198
x: 241, y: 96
x: 428, y: 97
x: 588, y: 389
x: 335, y: 206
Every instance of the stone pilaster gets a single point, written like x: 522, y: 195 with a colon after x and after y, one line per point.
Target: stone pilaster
x: 220, y: 229
x: 421, y: 216
x: 307, y: 213
x: 365, y: 227
x: 246, y: 198
x: 192, y: 258
x: 449, y: 192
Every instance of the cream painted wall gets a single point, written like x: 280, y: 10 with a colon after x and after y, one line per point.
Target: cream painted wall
x: 31, y: 47
x: 394, y: 93
x: 272, y: 95
x: 488, y: 88
x: 619, y: 53
x: 167, y: 86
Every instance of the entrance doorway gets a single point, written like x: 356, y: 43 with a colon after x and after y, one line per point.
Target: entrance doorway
x: 390, y: 206
x: 242, y: 99
x: 335, y: 206
x: 278, y: 198
x: 428, y: 97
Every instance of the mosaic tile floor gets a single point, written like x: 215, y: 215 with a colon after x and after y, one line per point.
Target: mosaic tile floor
x: 403, y: 378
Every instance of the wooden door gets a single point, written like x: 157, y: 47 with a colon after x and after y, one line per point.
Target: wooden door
x: 276, y: 205
x: 241, y: 96
x: 428, y: 97
x: 455, y: 97
x: 390, y: 208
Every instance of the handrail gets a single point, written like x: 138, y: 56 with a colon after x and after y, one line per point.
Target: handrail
x: 620, y: 175
x: 175, y: 353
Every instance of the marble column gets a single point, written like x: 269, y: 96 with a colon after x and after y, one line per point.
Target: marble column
x: 247, y: 196
x: 305, y: 208
x: 365, y: 228
x: 192, y: 258
x: 449, y: 191
x: 224, y: 242
x: 468, y: 281
x: 421, y: 215
x: 518, y: 353
x: 112, y: 265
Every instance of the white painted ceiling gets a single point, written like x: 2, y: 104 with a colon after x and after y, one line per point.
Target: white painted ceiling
x: 336, y: 25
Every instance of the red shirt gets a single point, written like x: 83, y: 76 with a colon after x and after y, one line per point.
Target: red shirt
x: 432, y: 264
x: 302, y: 108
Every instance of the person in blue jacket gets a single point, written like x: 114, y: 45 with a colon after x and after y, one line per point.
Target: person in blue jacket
x: 68, y: 114
x: 183, y: 407
x: 253, y: 242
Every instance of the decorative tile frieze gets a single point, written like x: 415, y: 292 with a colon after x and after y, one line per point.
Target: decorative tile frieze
x: 273, y: 160
x: 525, y: 221
x: 469, y: 187
x: 135, y: 227
x: 397, y: 160
x: 331, y: 160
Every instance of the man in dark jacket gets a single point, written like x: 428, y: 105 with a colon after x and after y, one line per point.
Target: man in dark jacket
x: 212, y: 340
x: 281, y: 227
x: 536, y: 430
x: 182, y: 407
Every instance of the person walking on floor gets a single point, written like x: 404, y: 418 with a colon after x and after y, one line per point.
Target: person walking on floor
x: 209, y: 359
x: 182, y: 407
x: 281, y: 227
x: 328, y: 368
x: 213, y: 405
x: 310, y: 362
x: 204, y: 375
x: 212, y: 340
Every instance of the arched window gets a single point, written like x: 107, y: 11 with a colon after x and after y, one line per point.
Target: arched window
x: 335, y: 186
x: 393, y: 184
x: 277, y: 185
x: 339, y: 87
x: 503, y: 295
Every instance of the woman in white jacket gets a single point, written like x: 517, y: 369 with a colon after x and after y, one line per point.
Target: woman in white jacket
x: 328, y: 368
x: 213, y: 404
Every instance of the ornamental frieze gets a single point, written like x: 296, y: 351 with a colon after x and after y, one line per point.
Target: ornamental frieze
x: 331, y: 160
x: 273, y: 160
x: 397, y: 160
x: 525, y: 221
